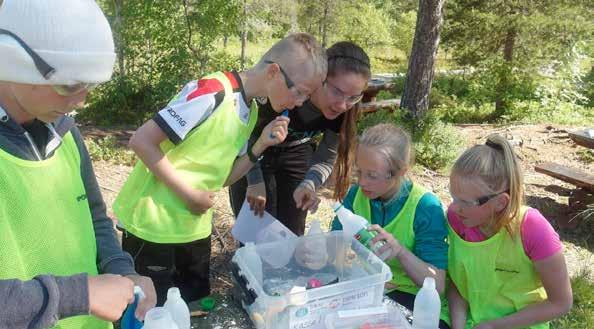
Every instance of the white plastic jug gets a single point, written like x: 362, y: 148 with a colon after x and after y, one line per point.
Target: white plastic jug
x: 311, y: 251
x: 427, y: 306
x: 158, y: 318
x: 178, y: 308
x: 355, y: 225
x: 254, y: 261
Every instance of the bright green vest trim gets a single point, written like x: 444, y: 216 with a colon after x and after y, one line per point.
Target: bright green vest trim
x: 149, y: 210
x: 45, y: 221
x: 402, y: 228
x: 494, y: 276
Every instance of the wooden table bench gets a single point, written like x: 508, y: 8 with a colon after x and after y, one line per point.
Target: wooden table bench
x: 567, y: 174
x: 375, y: 85
x: 582, y: 196
x: 369, y: 107
x: 584, y: 137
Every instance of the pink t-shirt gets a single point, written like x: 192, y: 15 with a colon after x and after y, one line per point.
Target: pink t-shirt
x: 538, y: 236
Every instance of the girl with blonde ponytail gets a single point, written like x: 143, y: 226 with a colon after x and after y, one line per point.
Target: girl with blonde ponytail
x: 505, y: 260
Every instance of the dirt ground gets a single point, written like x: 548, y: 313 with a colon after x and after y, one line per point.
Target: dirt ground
x: 558, y: 201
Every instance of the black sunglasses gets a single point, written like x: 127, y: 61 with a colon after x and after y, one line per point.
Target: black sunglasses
x: 288, y: 80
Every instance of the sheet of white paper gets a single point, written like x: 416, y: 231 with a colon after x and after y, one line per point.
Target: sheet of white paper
x: 251, y: 228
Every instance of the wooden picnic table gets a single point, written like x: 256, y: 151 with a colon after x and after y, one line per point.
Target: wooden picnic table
x: 375, y: 84
x: 584, y: 137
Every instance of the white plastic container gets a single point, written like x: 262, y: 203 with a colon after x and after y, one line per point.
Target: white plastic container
x: 356, y: 226
x: 427, y: 306
x: 312, y: 252
x: 353, y: 278
x: 178, y: 308
x: 385, y: 317
x: 158, y: 318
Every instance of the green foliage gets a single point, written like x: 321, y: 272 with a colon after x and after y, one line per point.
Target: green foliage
x: 161, y: 46
x: 363, y: 24
x: 107, y: 149
x: 581, y: 315
x: 588, y: 82
x: 461, y: 112
x: 520, y: 50
x: 437, y: 144
x: 586, y: 156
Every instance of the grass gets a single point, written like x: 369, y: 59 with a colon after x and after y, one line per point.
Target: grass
x: 586, y: 156
x: 581, y: 315
x: 107, y: 149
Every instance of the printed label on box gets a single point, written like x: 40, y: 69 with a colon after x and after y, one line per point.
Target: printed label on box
x: 311, y: 315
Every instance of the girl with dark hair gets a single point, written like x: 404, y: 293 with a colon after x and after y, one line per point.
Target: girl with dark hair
x: 285, y: 181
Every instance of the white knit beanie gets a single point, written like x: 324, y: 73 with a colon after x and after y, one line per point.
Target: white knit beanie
x: 73, y: 36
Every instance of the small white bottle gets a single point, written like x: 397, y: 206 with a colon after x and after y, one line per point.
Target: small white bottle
x: 427, y: 306
x: 355, y: 225
x: 158, y: 318
x: 178, y: 308
x: 254, y: 261
x: 311, y: 251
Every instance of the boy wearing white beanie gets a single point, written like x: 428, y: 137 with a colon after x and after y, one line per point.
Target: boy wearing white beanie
x: 57, y: 244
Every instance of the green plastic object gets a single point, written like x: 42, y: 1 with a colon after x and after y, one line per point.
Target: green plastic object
x: 207, y: 303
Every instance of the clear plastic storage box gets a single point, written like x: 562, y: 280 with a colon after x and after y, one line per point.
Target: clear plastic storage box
x: 296, y: 283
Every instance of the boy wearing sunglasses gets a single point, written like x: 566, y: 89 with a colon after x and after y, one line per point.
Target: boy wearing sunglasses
x: 197, y: 145
x: 61, y: 262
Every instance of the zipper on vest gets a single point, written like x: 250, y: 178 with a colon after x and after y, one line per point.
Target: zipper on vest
x: 33, y: 146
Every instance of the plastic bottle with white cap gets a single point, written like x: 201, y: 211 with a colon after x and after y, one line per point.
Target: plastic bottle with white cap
x: 178, y: 308
x: 427, y: 306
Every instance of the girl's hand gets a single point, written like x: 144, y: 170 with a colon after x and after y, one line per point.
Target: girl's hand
x: 305, y: 198
x: 275, y: 132
x: 392, y: 245
x: 256, y: 197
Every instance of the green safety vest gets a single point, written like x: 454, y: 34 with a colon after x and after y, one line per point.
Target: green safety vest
x: 494, y: 276
x: 148, y: 209
x: 402, y: 229
x: 45, y: 221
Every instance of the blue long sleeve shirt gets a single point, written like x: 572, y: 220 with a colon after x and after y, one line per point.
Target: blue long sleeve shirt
x: 429, y: 224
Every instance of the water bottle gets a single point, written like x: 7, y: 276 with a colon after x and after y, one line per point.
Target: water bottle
x: 177, y: 308
x: 311, y: 250
x: 254, y: 261
x: 158, y: 318
x: 129, y: 320
x: 355, y: 225
x: 427, y: 306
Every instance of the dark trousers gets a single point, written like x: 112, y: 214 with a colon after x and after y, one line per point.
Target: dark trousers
x: 408, y: 300
x: 283, y: 169
x: 183, y: 265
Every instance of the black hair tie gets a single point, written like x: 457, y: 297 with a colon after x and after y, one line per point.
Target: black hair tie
x: 493, y: 145
x: 350, y: 57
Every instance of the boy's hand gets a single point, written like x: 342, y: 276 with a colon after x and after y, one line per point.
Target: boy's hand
x: 199, y: 201
x: 109, y: 295
x: 306, y: 199
x: 275, y: 132
x: 256, y: 197
x: 150, y: 295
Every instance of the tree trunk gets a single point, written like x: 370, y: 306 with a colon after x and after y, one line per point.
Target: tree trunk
x: 421, y: 65
x: 504, y: 73
x: 294, y: 22
x: 244, y: 34
x: 119, y: 40
x: 325, y: 24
